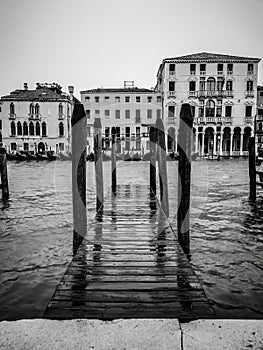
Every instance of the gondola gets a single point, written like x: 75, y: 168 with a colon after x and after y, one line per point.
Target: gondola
x: 11, y: 156
x: 52, y: 156
x: 127, y: 157
x: 136, y: 157
x: 146, y: 156
x: 64, y: 156
x: 41, y: 156
x: 30, y: 156
x: 21, y: 156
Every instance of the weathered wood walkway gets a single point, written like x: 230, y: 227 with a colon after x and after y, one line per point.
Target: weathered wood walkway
x: 131, y: 266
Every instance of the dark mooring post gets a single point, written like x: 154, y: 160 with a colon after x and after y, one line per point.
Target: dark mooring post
x: 79, y: 153
x: 113, y: 161
x: 3, y: 171
x: 98, y: 164
x: 252, y: 169
x: 152, y: 135
x: 162, y: 167
x: 184, y: 176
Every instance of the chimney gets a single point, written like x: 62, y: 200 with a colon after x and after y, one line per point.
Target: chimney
x: 25, y: 86
x: 71, y: 91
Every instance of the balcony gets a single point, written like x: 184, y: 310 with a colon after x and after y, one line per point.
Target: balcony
x: 220, y: 72
x: 171, y: 72
x: 249, y: 93
x: 171, y: 94
x: 219, y: 120
x: 12, y: 116
x: 203, y: 72
x: 228, y: 120
x: 249, y: 120
x: 192, y: 72
x: 200, y: 120
x: 210, y: 120
x: 228, y: 93
x: 192, y: 94
x: 259, y: 117
x: 171, y: 120
x: 137, y: 120
x: 250, y: 72
x: 229, y: 72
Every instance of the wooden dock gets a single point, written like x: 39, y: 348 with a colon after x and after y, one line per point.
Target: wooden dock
x: 130, y: 266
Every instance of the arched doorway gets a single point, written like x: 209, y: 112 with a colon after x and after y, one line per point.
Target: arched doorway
x: 236, y: 139
x: 41, y: 147
x: 209, y: 141
x: 171, y: 140
x: 247, y: 134
x: 226, y: 140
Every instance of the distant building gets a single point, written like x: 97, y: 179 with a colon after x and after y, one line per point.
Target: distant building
x: 222, y: 92
x: 36, y: 120
x: 130, y: 110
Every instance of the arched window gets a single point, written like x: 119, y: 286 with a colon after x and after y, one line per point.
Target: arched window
x: 13, y: 129
x: 211, y: 84
x: 37, y: 108
x: 37, y: 129
x: 31, y: 108
x: 12, y: 108
x: 61, y: 129
x: 44, y: 129
x: 60, y: 109
x: 25, y: 129
x: 250, y: 85
x: 229, y: 85
x: 19, y: 129
x: 260, y: 126
x: 210, y: 109
x: 31, y: 129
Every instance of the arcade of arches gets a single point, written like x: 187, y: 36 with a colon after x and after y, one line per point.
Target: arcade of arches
x: 217, y: 140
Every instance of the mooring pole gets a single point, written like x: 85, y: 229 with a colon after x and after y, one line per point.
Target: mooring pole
x: 3, y: 171
x: 252, y: 169
x: 184, y: 176
x: 98, y: 164
x: 152, y: 135
x: 113, y: 161
x: 79, y: 153
x: 162, y: 167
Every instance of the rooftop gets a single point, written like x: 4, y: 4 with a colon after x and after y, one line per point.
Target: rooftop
x: 211, y: 57
x: 117, y: 90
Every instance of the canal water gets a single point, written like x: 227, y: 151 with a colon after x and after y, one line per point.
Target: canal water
x: 36, y: 233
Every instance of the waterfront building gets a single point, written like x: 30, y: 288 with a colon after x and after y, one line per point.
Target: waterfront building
x: 222, y: 92
x: 37, y: 120
x: 131, y: 110
x: 259, y: 122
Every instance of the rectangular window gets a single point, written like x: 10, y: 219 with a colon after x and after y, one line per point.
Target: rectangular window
x: 201, y: 112
x: 193, y: 110
x: 127, y: 131
x: 87, y: 98
x: 149, y: 113
x: 127, y: 98
x: 138, y: 131
x: 137, y: 116
x: 97, y: 99
x: 192, y: 68
x: 192, y: 85
x: 149, y: 98
x: 13, y: 146
x: 97, y: 112
x: 171, y: 86
x: 202, y: 84
x: 171, y: 68
x: 61, y: 146
x: 250, y: 68
x: 229, y: 85
x: 106, y: 98
x: 88, y: 113
x: 202, y: 68
x: 138, y: 98
x: 171, y: 111
x: 117, y: 99
x: 228, y: 111
x: 0, y: 124
x: 249, y: 85
x: 107, y: 132
x: 220, y: 68
x: 248, y: 111
x: 159, y: 99
x: 127, y: 114
x: 229, y: 68
x: 260, y: 111
x: 158, y: 113
x: 117, y: 114
x: 26, y: 146
x: 220, y: 83
x: 107, y: 113
x: 219, y: 111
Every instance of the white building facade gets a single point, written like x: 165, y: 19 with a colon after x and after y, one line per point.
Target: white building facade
x: 222, y: 91
x: 130, y: 110
x: 37, y: 120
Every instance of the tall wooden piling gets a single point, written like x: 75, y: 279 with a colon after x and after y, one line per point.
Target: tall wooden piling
x: 152, y: 135
x: 4, y: 176
x: 98, y: 164
x: 184, y: 176
x: 252, y: 169
x: 113, y: 161
x: 79, y: 153
x: 162, y: 166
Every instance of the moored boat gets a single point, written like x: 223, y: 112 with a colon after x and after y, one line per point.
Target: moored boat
x: 11, y: 156
x: 64, y: 156
x: 30, y: 156
x: 52, y: 156
x: 21, y: 156
x: 136, y: 157
x: 41, y: 156
x: 127, y: 157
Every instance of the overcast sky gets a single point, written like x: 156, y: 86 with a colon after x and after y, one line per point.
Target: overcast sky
x: 94, y: 43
